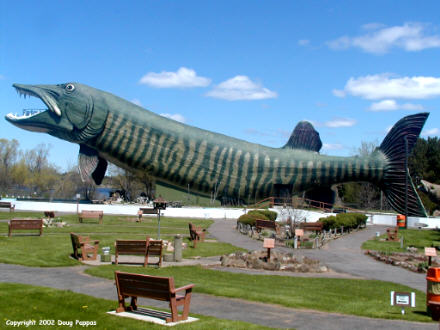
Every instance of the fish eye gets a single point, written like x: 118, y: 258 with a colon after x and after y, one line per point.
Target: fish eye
x: 70, y: 87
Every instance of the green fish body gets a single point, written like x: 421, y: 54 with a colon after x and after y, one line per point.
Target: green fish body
x: 110, y: 128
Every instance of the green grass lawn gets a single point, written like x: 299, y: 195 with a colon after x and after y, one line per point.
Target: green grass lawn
x: 54, y: 247
x: 19, y: 302
x: 367, y: 298
x: 419, y: 238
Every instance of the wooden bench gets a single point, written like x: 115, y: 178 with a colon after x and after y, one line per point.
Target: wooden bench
x: 7, y: 205
x: 392, y: 234
x: 153, y: 287
x: 90, y: 215
x: 266, y: 224
x: 144, y: 248
x: 196, y: 234
x: 146, y: 210
x: 25, y: 224
x: 86, y: 247
x: 312, y: 226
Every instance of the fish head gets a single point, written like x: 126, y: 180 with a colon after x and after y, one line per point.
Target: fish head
x: 71, y: 113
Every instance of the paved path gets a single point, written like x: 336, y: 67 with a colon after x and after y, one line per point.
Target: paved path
x: 73, y: 278
x: 343, y: 255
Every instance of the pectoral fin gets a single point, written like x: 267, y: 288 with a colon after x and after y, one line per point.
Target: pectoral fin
x: 91, y: 165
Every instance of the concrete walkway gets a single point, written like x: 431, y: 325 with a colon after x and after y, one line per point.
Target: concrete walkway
x: 339, y: 256
x: 73, y: 278
x: 342, y: 255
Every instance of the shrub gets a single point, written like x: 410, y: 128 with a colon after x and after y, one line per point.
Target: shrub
x: 247, y: 219
x: 328, y: 222
x: 258, y: 214
x: 346, y: 220
x: 271, y: 215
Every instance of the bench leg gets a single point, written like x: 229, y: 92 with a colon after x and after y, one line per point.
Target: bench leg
x: 174, y: 311
x: 9, y: 231
x: 133, y: 304
x: 186, y: 306
x: 121, y: 306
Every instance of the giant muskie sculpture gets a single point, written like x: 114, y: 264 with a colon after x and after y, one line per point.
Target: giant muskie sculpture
x: 110, y: 128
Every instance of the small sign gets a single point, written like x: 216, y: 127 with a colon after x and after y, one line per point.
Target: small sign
x: 403, y: 299
x: 269, y: 243
x: 299, y: 232
x: 430, y: 252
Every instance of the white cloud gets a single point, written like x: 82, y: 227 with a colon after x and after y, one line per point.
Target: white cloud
x: 385, y: 86
x: 332, y: 146
x: 380, y: 39
x: 137, y: 102
x: 303, y: 42
x: 183, y: 78
x: 390, y: 105
x: 431, y: 132
x: 241, y: 88
x: 176, y: 116
x: 340, y: 122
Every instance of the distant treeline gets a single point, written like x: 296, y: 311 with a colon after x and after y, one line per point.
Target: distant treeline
x: 29, y: 173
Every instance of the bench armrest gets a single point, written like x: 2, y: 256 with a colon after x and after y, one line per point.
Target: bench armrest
x: 186, y: 287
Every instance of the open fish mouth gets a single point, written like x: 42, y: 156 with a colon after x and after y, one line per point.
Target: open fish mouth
x: 45, y: 95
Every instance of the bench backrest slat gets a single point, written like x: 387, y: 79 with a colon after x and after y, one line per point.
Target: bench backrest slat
x: 91, y: 214
x: 312, y: 225
x: 144, y: 285
x: 265, y: 223
x: 131, y: 246
x: 26, y: 224
x: 75, y: 240
x: 154, y: 247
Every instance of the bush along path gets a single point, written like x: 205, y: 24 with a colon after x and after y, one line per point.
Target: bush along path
x: 259, y: 224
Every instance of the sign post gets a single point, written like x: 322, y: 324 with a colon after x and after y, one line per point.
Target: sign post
x: 298, y: 234
x: 403, y: 299
x: 269, y: 243
x: 430, y: 252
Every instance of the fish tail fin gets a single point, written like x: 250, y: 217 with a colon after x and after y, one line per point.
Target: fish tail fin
x: 396, y: 175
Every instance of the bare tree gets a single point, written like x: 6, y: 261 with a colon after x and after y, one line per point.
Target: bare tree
x: 8, y: 156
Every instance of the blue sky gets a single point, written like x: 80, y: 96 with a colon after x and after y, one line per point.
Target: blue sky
x: 248, y: 69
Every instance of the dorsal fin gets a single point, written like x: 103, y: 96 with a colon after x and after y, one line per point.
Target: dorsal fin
x: 304, y: 136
